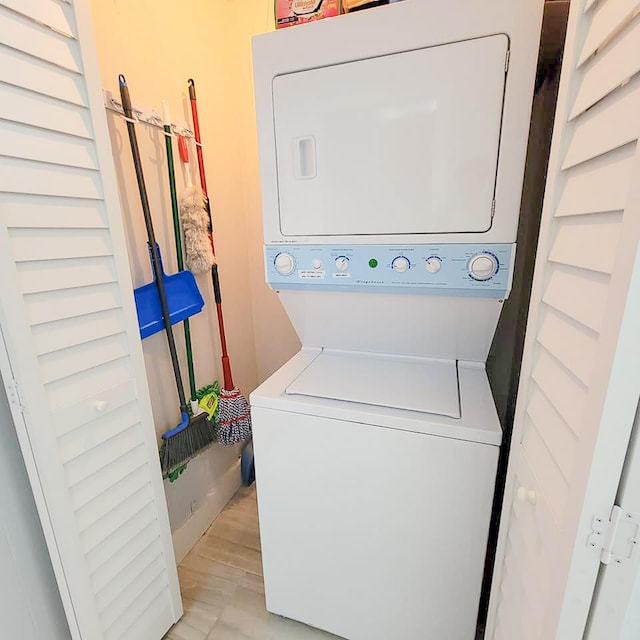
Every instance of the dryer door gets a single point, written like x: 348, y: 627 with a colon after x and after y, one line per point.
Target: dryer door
x: 399, y: 144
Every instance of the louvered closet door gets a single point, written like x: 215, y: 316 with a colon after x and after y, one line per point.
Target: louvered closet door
x: 68, y: 321
x: 581, y: 375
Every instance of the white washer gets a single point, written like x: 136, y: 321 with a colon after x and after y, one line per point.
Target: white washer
x: 374, y: 519
x: 392, y: 148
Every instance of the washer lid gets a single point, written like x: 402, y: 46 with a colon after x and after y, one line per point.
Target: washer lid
x: 397, y: 382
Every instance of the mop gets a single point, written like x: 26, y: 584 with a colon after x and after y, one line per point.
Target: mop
x: 191, y: 435
x: 193, y: 218
x: 233, y: 422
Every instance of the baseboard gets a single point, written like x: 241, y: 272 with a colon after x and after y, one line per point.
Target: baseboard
x: 200, y: 520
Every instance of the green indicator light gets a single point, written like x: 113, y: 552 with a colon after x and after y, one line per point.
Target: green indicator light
x: 373, y: 263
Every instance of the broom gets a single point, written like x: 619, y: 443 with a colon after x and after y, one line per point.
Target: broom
x: 233, y: 422
x: 188, y: 438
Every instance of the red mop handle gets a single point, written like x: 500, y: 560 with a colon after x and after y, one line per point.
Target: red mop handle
x: 226, y: 363
x: 196, y: 132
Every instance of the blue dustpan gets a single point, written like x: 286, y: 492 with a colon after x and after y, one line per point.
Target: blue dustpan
x: 183, y: 298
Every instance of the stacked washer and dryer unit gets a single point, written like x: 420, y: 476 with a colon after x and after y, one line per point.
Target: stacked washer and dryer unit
x: 392, y: 150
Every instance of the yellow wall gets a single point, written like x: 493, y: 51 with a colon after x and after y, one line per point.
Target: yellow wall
x: 158, y: 45
x: 275, y: 338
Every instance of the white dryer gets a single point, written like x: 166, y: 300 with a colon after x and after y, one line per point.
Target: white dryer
x: 392, y: 148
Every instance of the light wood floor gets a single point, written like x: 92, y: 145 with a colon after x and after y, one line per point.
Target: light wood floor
x: 222, y: 587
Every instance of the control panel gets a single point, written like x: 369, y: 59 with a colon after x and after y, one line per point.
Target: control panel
x: 444, y: 269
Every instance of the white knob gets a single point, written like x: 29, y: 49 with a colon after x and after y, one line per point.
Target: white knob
x: 100, y: 405
x: 400, y: 264
x: 527, y: 495
x: 342, y: 263
x: 316, y: 263
x: 285, y: 264
x: 433, y: 265
x: 483, y: 266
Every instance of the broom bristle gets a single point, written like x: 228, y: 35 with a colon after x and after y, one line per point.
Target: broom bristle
x: 233, y: 424
x: 179, y: 449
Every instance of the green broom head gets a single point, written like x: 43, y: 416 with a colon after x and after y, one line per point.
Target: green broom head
x: 233, y: 424
x: 184, y: 443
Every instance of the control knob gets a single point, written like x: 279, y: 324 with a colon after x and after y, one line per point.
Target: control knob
x: 434, y: 264
x: 483, y: 266
x: 401, y: 264
x: 342, y: 263
x: 285, y: 264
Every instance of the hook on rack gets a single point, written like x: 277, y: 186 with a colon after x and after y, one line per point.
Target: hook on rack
x: 148, y: 117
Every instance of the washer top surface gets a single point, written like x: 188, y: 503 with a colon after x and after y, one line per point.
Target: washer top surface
x: 291, y: 391
x: 396, y: 382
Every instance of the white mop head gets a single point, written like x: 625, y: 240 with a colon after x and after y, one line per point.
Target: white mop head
x: 195, y: 225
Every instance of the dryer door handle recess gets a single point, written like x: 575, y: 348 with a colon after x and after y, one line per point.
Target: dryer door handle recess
x: 304, y: 157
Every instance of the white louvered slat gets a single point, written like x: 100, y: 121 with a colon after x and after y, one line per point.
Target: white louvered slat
x: 109, y: 476
x: 21, y: 34
x: 27, y: 107
x: 554, y: 431
x: 90, y: 406
x: 580, y: 296
x: 139, y: 552
x: 24, y: 71
x: 103, y: 529
x: 577, y: 395
x: 608, y: 19
x: 25, y: 176
x: 71, y: 332
x: 523, y: 585
x: 551, y: 481
x: 98, y: 507
x: 587, y: 242
x: 541, y: 520
x: 66, y: 274
x: 570, y: 343
x: 73, y: 360
x: 44, y: 146
x: 609, y: 70
x: 605, y: 127
x: 49, y: 244
x: 598, y: 186
x: 66, y: 392
x: 50, y: 13
x: 526, y: 535
x: 76, y: 442
x: 137, y: 611
x: 138, y: 585
x: 20, y: 211
x: 156, y: 617
x: 79, y: 301
x: 118, y: 539
x: 94, y: 459
x: 563, y: 390
x: 113, y: 577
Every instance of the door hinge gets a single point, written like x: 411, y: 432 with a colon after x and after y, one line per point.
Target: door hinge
x: 13, y: 395
x: 605, y: 533
x: 507, y: 60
